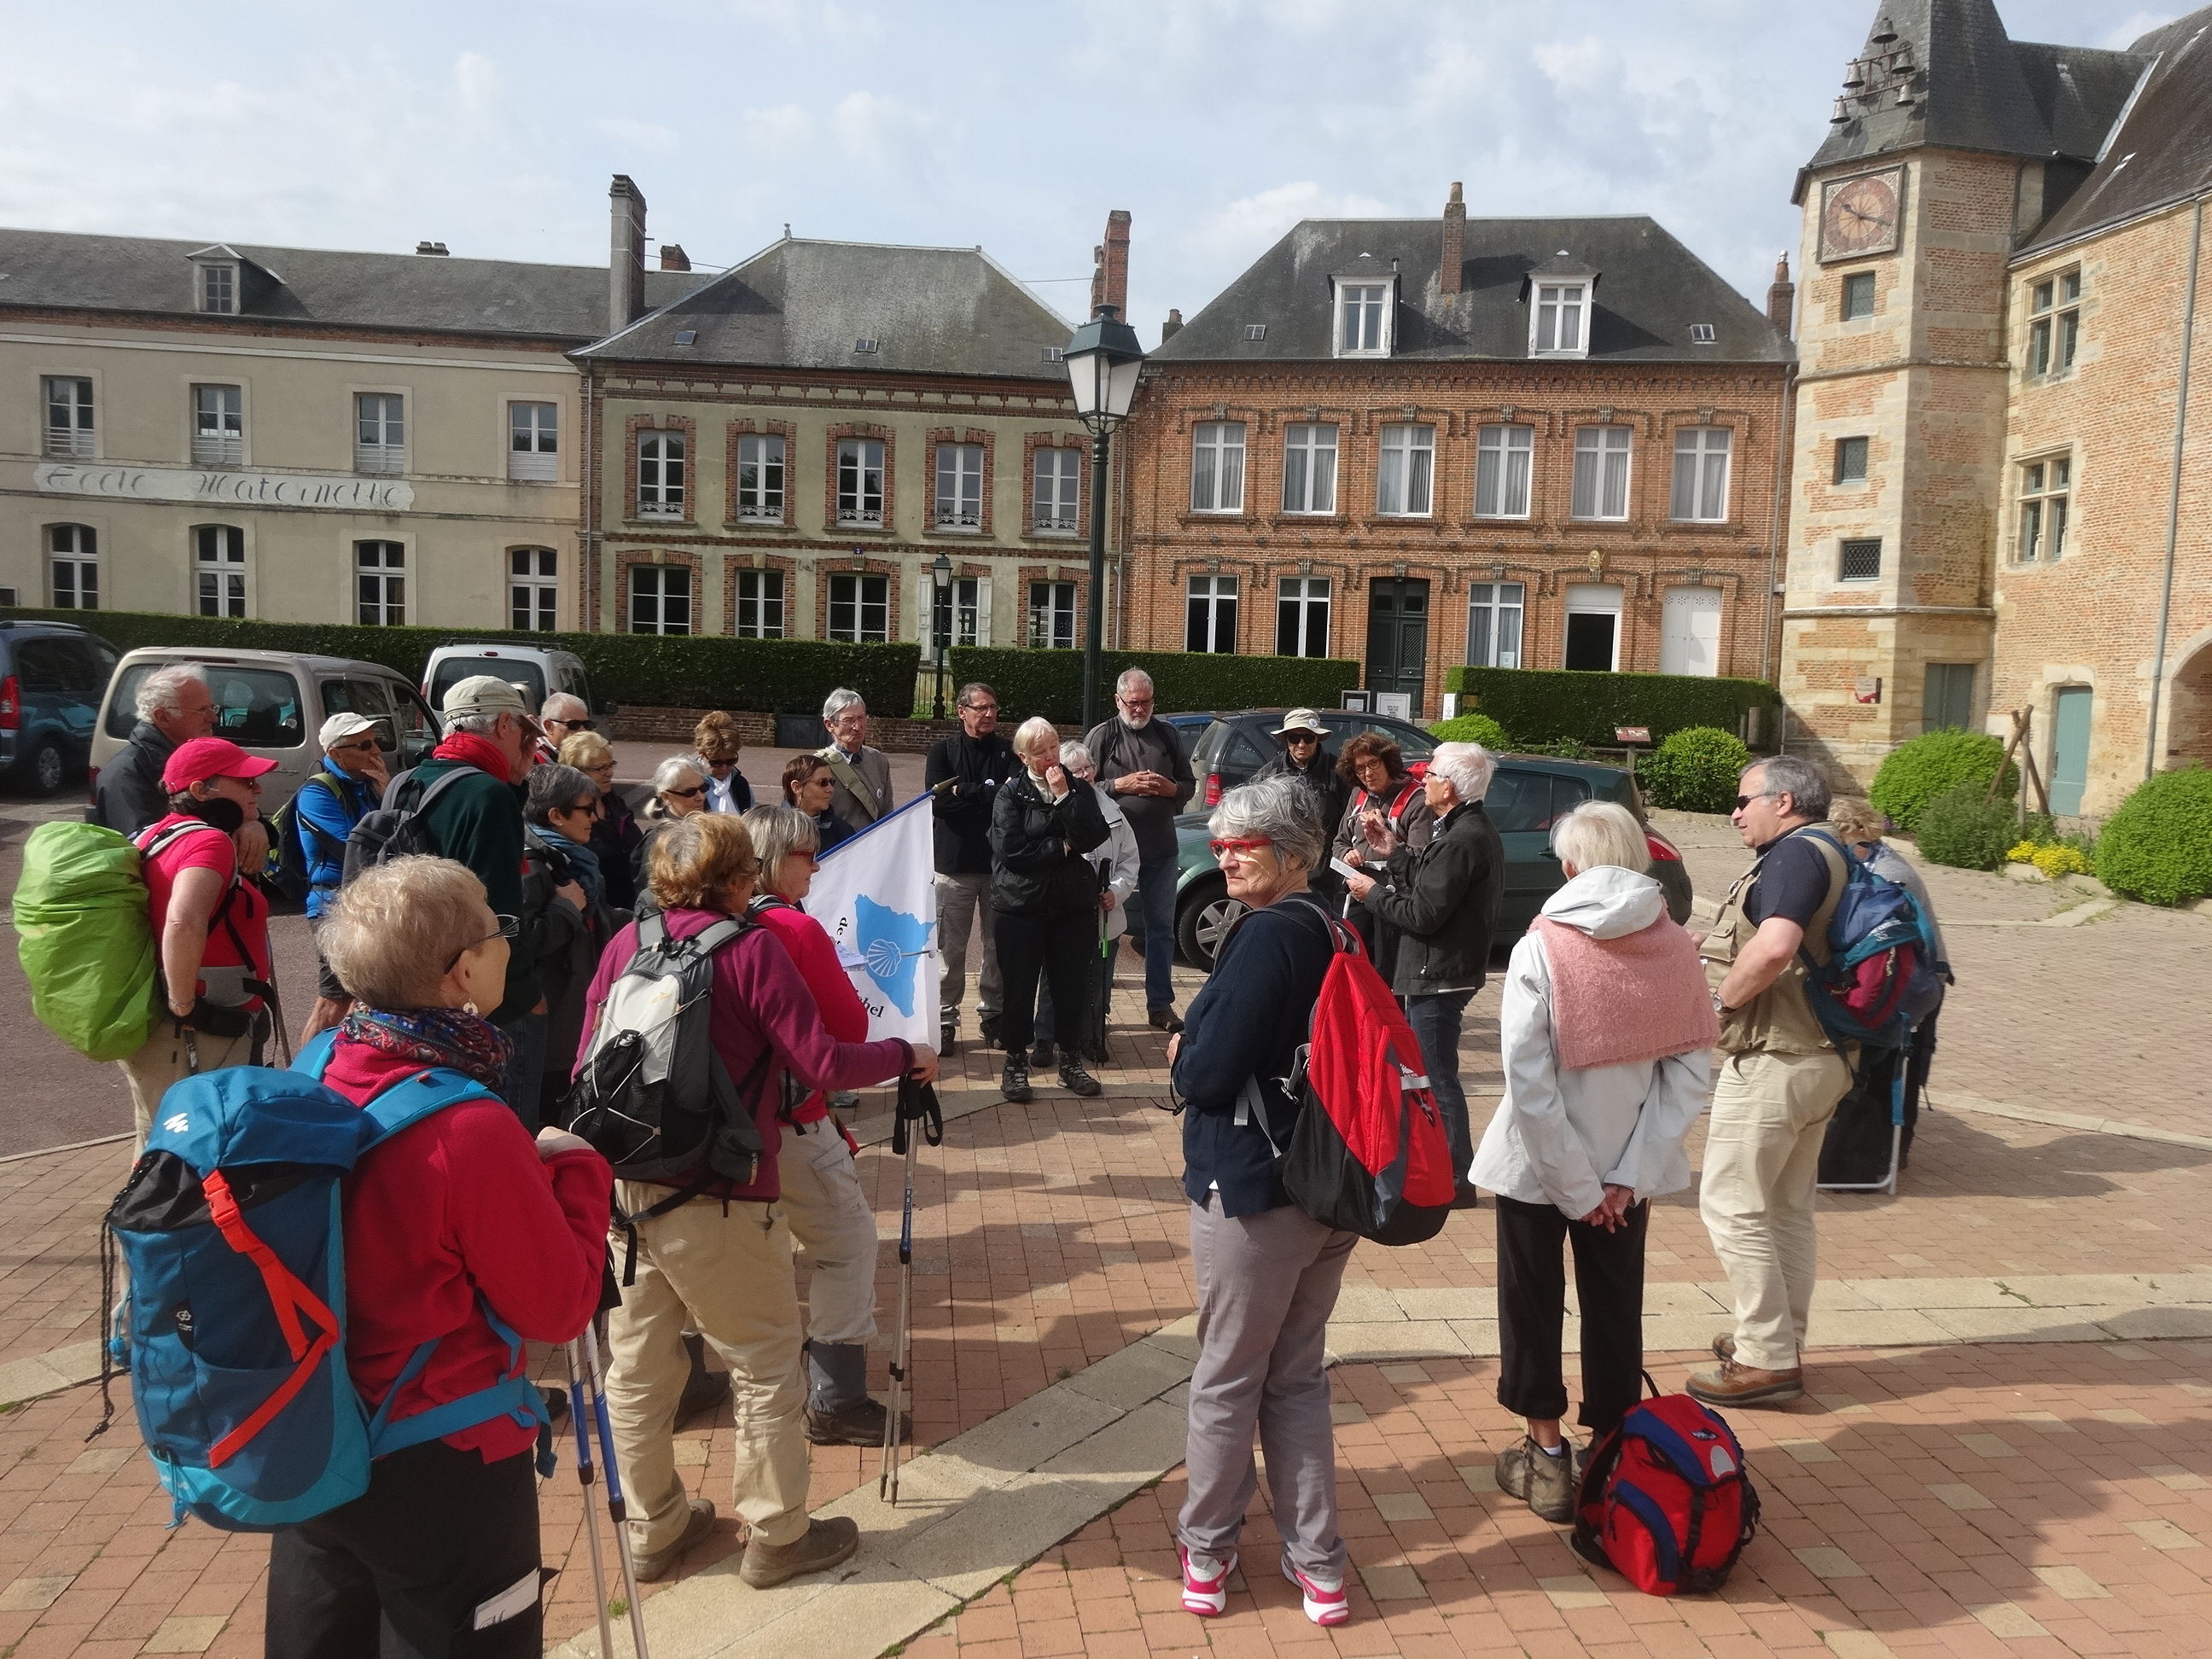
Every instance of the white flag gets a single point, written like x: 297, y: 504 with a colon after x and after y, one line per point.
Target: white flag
x: 876, y: 892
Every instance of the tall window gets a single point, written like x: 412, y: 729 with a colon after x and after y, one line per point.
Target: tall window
x: 1949, y: 700
x: 1860, y: 560
x: 533, y: 594
x: 860, y: 481
x: 960, y: 609
x: 1407, y: 469
x: 960, y: 486
x: 1701, y: 469
x: 2055, y: 326
x: 2043, y: 487
x: 859, y: 608
x: 760, y: 480
x: 1559, y: 320
x: 219, y: 289
x: 760, y: 603
x: 69, y: 417
x: 1503, y: 457
x: 1217, y: 467
x: 1858, y: 295
x: 379, y: 584
x: 1052, y: 616
x: 1309, y: 469
x: 533, y: 441
x: 218, y: 425
x: 1366, y: 308
x: 1302, y: 617
x: 660, y: 478
x: 1059, y: 491
x: 1493, y: 624
x: 1602, y: 472
x: 1209, y: 615
x: 380, y: 442
x: 1850, y: 460
x: 73, y: 565
x: 659, y: 598
x: 219, y: 569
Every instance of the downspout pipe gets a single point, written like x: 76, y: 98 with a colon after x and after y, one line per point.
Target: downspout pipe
x: 2173, y: 498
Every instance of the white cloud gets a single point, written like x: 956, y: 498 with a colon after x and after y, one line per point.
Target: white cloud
x: 477, y: 81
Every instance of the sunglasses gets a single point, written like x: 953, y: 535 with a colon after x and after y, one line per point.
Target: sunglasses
x: 1302, y: 737
x: 687, y: 795
x: 1742, y: 801
x: 510, y: 927
x: 1244, y: 846
x: 570, y: 726
x: 363, y: 745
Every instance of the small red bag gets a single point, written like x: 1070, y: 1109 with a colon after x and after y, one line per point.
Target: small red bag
x: 1666, y: 1501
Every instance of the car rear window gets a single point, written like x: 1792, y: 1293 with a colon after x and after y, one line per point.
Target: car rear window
x: 256, y: 707
x: 1208, y: 745
x: 516, y: 670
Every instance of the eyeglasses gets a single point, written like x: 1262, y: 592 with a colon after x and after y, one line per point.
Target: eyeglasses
x: 510, y: 927
x: 364, y: 744
x: 570, y: 726
x: 586, y: 806
x: 687, y: 795
x: 1243, y: 846
x: 980, y: 708
x: 1300, y: 739
x: 1742, y: 801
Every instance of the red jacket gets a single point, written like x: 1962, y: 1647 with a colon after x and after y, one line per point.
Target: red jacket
x: 814, y: 956
x: 457, y: 1206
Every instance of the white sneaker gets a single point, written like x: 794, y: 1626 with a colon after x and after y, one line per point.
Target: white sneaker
x: 1206, y: 1597
x: 1325, y: 1603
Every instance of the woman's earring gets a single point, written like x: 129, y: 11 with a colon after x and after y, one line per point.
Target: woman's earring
x: 469, y: 1008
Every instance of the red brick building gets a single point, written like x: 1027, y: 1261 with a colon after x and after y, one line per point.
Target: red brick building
x: 1520, y: 442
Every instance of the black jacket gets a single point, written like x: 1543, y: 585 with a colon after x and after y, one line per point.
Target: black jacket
x: 1037, y: 847
x: 616, y: 837
x: 976, y: 767
x: 564, y: 944
x: 1442, y: 899
x: 128, y: 795
x: 1318, y: 775
x: 1118, y: 749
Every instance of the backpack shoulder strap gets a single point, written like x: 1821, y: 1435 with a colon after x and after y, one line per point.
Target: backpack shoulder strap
x: 438, y: 785
x: 1404, y: 800
x: 1840, y: 875
x: 711, y: 939
x: 314, y: 1056
x: 407, y: 1103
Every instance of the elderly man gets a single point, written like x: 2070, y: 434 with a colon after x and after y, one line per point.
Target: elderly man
x: 963, y: 774
x: 863, y: 791
x: 174, y: 706
x: 345, y: 790
x: 560, y: 716
x: 1142, y: 766
x: 1780, y: 1078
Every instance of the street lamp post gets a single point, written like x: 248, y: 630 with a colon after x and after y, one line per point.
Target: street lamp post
x: 940, y: 625
x: 1103, y: 360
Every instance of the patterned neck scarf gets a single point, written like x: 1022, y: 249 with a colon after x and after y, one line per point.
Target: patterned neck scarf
x: 434, y: 1036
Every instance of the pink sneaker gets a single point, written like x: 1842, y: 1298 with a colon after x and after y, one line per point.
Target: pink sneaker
x: 1326, y: 1604
x: 1206, y: 1597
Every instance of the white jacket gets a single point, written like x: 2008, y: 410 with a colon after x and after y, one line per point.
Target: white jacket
x: 1561, y: 1137
x: 1116, y: 856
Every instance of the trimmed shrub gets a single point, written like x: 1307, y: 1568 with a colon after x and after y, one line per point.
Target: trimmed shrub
x: 1050, y: 683
x: 1694, y: 770
x: 1934, y: 763
x: 2158, y: 846
x: 1959, y: 828
x: 1473, y: 728
x: 1542, y: 705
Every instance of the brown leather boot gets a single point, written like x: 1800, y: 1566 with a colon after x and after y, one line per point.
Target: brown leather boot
x: 1733, y: 1384
x: 824, y: 1544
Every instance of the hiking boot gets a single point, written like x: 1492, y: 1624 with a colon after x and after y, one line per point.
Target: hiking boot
x: 1545, y: 1483
x: 1724, y: 1345
x: 1076, y: 1080
x: 1044, y: 1057
x: 1014, y: 1081
x: 696, y: 1529
x: 948, y: 1037
x: 1164, y: 1019
x: 1731, y: 1384
x: 859, y: 1423
x: 987, y: 1025
x: 704, y: 1391
x: 1096, y: 1055
x: 825, y: 1544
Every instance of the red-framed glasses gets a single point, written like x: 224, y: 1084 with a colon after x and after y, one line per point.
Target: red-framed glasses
x: 1244, y: 845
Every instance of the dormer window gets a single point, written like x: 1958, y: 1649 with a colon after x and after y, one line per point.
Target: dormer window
x: 1363, y: 328
x: 222, y: 279
x: 1559, y: 320
x: 219, y: 289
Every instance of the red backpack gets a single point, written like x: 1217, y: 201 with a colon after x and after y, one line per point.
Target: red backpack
x: 1667, y: 1502
x: 1369, y: 1154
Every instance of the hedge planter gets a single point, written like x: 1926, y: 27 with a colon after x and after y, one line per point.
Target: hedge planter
x: 1050, y: 683
x: 1543, y: 705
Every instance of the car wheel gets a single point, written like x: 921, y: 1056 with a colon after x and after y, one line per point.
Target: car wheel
x: 40, y: 772
x: 1203, y: 922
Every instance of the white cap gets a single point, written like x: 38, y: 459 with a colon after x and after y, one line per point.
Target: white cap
x: 339, y: 727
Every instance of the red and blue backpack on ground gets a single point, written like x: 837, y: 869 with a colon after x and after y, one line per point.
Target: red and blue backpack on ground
x: 1666, y: 1501
x: 233, y: 1326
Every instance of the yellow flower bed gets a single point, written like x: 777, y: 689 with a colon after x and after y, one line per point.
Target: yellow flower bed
x: 2057, y: 861
x: 2022, y: 853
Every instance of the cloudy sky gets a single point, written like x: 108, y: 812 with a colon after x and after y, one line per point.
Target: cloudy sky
x: 1219, y: 124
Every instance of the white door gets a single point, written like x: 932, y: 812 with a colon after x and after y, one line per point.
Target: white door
x: 1690, y: 640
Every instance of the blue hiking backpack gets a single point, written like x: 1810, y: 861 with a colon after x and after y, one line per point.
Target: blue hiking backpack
x: 233, y: 1326
x: 1881, y: 977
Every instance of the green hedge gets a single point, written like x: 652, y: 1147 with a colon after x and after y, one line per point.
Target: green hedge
x: 2158, y: 846
x: 1695, y: 770
x: 1472, y: 728
x: 1050, y: 683
x: 1934, y: 763
x: 681, y: 671
x: 1545, y: 705
x: 1960, y: 829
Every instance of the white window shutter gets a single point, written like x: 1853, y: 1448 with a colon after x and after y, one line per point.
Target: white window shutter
x: 924, y: 589
x: 983, y: 610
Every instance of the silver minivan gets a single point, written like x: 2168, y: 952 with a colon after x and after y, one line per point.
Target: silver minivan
x: 539, y: 671
x: 274, y: 702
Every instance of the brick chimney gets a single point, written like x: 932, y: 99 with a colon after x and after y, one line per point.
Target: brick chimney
x: 1110, y: 274
x: 1172, y: 327
x: 1781, y: 298
x: 625, y: 254
x: 673, y: 257
x: 1455, y: 253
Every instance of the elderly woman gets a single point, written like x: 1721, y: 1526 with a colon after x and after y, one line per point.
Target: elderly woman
x: 808, y: 783
x: 1373, y: 770
x: 715, y: 738
x: 572, y: 924
x: 679, y: 789
x: 719, y: 1253
x: 615, y: 835
x: 1044, y: 900
x: 1116, y: 858
x: 1440, y: 901
x: 822, y: 1192
x: 1268, y: 1272
x: 449, y: 1224
x: 1605, y: 1030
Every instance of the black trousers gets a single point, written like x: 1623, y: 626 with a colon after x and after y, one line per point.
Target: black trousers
x: 1532, y: 1309
x: 399, y: 1572
x: 1060, y: 943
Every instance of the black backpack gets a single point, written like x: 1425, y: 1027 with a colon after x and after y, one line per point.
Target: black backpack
x: 393, y: 831
x: 288, y: 856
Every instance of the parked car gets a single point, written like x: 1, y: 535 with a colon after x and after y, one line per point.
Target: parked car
x: 1234, y: 747
x: 1528, y: 795
x: 274, y: 702
x: 51, y: 675
x: 539, y: 672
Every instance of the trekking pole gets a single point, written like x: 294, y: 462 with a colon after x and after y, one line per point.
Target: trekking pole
x: 591, y: 1520
x: 616, y: 1507
x: 917, y: 1104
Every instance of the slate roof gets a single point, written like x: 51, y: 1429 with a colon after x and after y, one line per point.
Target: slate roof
x: 802, y: 303
x: 1650, y: 289
x: 320, y: 287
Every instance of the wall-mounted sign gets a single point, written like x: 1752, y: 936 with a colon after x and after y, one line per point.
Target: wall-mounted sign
x: 224, y: 487
x: 1397, y: 704
x: 1866, y: 691
x: 1631, y: 734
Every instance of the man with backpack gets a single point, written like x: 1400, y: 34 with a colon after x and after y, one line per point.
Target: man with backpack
x: 1780, y: 1078
x: 311, y: 831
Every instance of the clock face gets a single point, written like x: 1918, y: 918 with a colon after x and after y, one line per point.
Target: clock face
x: 1859, y: 215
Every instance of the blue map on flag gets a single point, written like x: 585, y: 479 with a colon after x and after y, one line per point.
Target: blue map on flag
x: 892, y: 946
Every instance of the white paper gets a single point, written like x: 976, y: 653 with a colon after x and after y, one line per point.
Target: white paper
x: 517, y: 1598
x: 1344, y: 869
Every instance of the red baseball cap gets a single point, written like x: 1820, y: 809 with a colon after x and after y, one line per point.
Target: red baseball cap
x: 199, y: 759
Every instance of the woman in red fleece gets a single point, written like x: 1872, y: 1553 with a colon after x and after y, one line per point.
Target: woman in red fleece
x: 452, y: 1220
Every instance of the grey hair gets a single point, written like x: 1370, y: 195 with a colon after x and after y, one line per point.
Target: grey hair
x: 481, y: 724
x: 1598, y: 833
x: 552, y: 788
x: 968, y: 692
x: 674, y: 767
x: 159, y: 691
x: 563, y: 705
x: 1076, y: 756
x: 1027, y: 733
x: 778, y: 832
x: 396, y: 927
x: 839, y: 701
x: 1279, y: 809
x: 1469, y: 767
x: 1786, y: 775
x: 1130, y: 676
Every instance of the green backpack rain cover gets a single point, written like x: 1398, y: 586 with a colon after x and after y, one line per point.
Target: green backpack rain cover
x: 84, y: 939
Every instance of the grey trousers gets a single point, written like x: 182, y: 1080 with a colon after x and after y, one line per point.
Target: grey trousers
x: 1267, y: 1284
x: 958, y: 898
